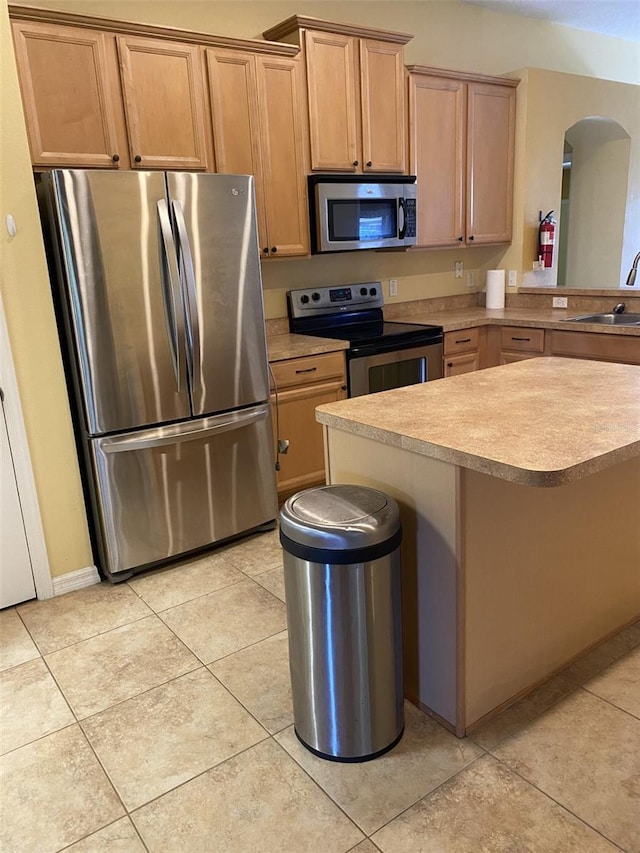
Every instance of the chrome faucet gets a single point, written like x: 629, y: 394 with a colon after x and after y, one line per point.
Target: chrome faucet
x: 631, y: 278
x: 619, y: 308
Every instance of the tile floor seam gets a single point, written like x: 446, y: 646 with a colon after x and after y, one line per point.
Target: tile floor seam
x: 320, y: 788
x: 99, y: 634
x: 242, y: 704
x: 74, y: 722
x: 610, y: 702
x: 430, y: 793
x: 558, y: 803
x: 188, y: 600
x: 199, y: 775
x: 111, y: 823
x: 250, y: 646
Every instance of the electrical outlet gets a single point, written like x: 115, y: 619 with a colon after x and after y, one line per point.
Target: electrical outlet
x: 471, y: 279
x: 393, y: 287
x: 512, y: 279
x: 560, y: 302
x: 459, y: 269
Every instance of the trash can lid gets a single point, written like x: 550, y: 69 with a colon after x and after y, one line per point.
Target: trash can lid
x: 340, y: 517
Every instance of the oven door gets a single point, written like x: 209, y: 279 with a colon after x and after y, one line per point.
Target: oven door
x: 386, y: 370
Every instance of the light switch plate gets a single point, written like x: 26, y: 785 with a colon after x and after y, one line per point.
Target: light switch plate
x: 512, y: 279
x: 459, y: 269
x: 393, y: 287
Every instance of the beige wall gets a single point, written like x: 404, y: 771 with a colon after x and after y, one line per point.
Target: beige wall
x: 448, y: 34
x: 34, y: 341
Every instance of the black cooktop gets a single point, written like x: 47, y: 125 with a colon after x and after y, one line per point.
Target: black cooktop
x: 379, y: 332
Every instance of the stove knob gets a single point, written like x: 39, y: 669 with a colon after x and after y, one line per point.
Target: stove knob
x: 315, y: 296
x: 363, y: 291
x: 304, y: 299
x: 373, y: 292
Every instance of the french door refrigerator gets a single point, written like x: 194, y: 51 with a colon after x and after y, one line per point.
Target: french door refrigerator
x: 160, y: 300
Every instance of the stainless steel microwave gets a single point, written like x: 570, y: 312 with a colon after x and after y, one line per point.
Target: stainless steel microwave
x: 349, y: 212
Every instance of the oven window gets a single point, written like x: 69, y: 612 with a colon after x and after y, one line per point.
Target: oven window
x: 362, y: 220
x: 384, y: 377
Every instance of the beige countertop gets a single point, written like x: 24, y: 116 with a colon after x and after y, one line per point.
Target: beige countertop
x: 542, y: 318
x: 285, y: 346
x: 539, y: 422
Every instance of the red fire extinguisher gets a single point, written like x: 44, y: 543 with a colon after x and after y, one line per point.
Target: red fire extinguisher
x: 546, y: 239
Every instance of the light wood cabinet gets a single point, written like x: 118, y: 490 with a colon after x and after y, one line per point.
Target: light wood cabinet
x: 594, y: 345
x: 71, y: 96
x: 355, y: 89
x: 303, y: 384
x: 462, y: 351
x: 518, y: 343
x: 461, y: 143
x: 164, y: 97
x: 258, y: 128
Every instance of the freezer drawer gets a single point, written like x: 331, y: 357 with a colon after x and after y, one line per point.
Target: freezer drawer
x: 164, y: 491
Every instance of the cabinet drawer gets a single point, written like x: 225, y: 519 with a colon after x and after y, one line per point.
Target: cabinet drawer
x: 302, y: 371
x: 465, y: 340
x: 514, y: 338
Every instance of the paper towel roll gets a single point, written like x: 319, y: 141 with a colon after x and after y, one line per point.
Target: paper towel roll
x: 495, y: 288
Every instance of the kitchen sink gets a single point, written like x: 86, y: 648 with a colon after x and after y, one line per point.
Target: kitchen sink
x: 607, y: 319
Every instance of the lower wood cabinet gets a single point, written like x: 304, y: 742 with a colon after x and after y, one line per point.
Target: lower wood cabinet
x: 302, y: 385
x: 594, y: 345
x: 518, y: 344
x: 461, y: 352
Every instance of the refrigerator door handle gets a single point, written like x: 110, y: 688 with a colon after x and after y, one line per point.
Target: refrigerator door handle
x: 193, y: 318
x: 159, y: 437
x: 175, y: 311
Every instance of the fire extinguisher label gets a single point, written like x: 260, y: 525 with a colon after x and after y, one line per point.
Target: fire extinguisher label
x: 546, y: 238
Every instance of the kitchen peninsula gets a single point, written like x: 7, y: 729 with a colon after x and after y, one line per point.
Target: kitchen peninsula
x: 519, y: 488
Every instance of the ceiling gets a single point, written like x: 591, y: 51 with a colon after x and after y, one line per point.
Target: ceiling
x: 620, y: 18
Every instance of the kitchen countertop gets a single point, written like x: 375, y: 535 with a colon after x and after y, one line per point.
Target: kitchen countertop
x: 539, y: 422
x: 281, y: 347
x: 543, y: 318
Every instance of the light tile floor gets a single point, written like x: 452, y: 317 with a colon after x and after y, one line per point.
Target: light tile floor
x: 156, y: 715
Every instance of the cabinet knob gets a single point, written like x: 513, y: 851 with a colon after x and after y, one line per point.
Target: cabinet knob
x: 343, y: 387
x: 449, y: 364
x: 274, y: 250
x: 471, y: 238
x: 116, y: 158
x: 355, y: 162
x: 369, y: 163
x: 265, y: 250
x: 137, y: 159
x: 461, y: 238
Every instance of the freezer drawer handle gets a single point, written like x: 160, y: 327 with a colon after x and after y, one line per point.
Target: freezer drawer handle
x: 121, y: 445
x: 175, y: 314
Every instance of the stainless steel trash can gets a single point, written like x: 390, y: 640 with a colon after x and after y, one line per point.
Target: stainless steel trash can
x: 343, y: 588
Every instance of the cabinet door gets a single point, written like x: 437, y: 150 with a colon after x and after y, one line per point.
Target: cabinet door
x: 331, y: 83
x: 490, y: 151
x: 234, y: 108
x: 70, y: 92
x: 454, y: 365
x: 383, y: 112
x: 303, y: 464
x: 282, y: 145
x: 164, y: 103
x: 437, y: 134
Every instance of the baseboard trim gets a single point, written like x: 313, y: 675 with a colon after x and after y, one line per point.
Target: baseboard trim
x: 75, y: 580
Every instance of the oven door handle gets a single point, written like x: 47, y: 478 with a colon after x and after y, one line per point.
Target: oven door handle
x: 359, y: 351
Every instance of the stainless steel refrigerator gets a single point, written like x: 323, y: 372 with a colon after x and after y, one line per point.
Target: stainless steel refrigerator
x: 160, y: 300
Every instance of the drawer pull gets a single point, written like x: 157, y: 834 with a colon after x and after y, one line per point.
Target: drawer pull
x: 464, y: 341
x: 307, y: 370
x: 520, y: 339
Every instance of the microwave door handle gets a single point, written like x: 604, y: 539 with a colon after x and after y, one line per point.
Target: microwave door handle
x: 402, y: 230
x: 170, y: 279
x: 191, y: 294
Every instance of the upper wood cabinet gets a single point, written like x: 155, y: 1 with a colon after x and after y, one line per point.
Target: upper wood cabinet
x: 71, y: 95
x: 461, y: 139
x: 164, y: 94
x: 259, y: 117
x: 355, y: 88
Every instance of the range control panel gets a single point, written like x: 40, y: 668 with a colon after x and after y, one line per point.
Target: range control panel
x: 335, y: 300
